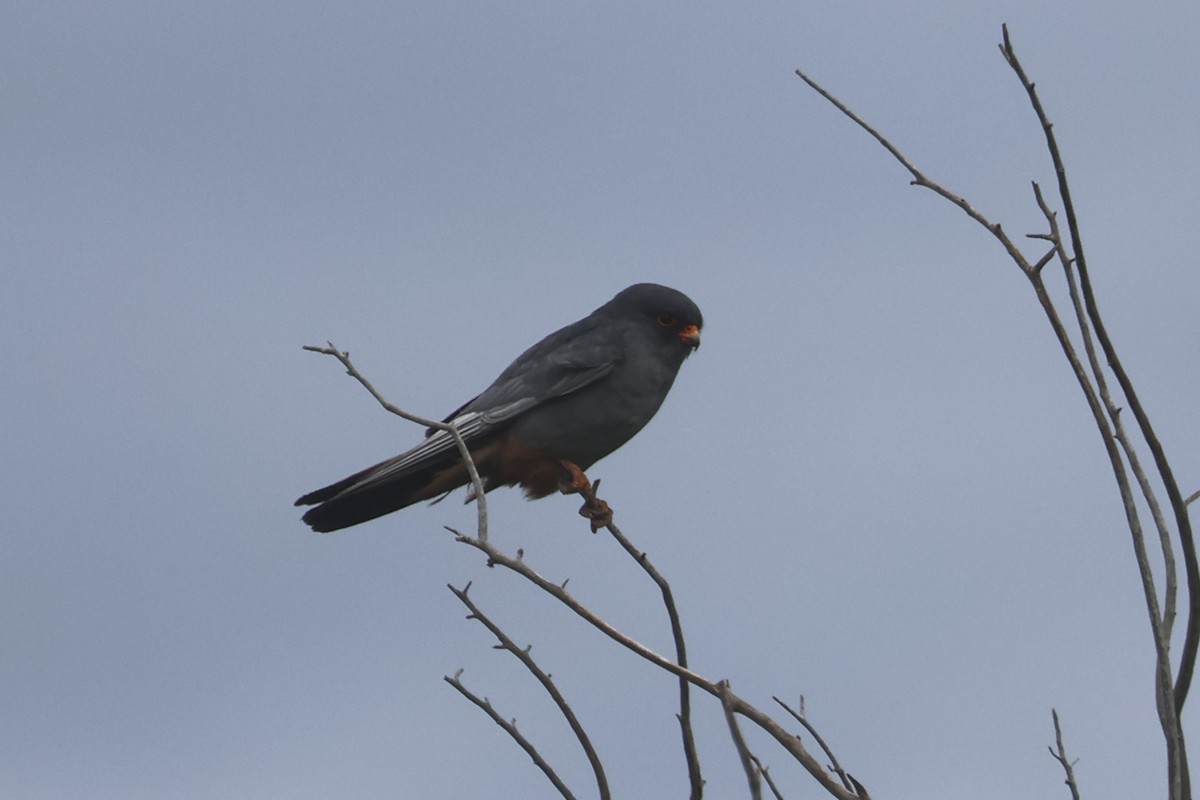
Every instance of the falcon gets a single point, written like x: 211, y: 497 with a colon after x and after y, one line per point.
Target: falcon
x: 561, y: 406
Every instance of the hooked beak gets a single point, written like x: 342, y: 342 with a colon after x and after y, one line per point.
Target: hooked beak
x: 690, y: 335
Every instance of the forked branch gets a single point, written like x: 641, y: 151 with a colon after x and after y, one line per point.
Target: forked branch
x: 1171, y: 690
x: 1187, y: 661
x: 749, y: 762
x: 510, y: 727
x: 791, y: 743
x: 1059, y: 751
x: 523, y: 655
x: 476, y: 484
x: 600, y: 515
x: 691, y: 757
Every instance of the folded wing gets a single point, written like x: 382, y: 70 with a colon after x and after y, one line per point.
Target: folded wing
x: 434, y: 466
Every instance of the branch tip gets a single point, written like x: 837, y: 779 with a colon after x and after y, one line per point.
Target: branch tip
x: 464, y: 452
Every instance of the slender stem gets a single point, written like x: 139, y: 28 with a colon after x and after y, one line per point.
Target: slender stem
x: 587, y: 489
x: 476, y: 483
x: 753, y: 778
x: 1166, y: 620
x: 766, y: 775
x: 803, y: 720
x: 510, y: 727
x: 787, y: 740
x: 1183, y: 523
x: 523, y: 655
x: 919, y: 178
x: 1170, y: 700
x: 691, y: 756
x: 1059, y: 751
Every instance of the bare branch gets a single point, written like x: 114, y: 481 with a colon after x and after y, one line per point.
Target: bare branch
x: 510, y: 727
x: 803, y: 720
x: 1183, y: 678
x: 861, y: 790
x: 919, y: 178
x: 789, y: 742
x: 558, y: 592
x: 1161, y: 622
x: 1061, y: 757
x: 1043, y: 261
x: 1033, y: 272
x: 692, y: 758
x: 476, y: 484
x: 766, y: 774
x: 523, y: 655
x: 1170, y: 698
x: 748, y: 760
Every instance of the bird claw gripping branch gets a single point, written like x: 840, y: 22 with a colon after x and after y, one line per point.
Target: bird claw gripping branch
x: 575, y: 482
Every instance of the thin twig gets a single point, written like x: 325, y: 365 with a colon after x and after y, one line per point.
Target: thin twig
x: 766, y: 774
x: 1170, y: 699
x: 690, y: 754
x: 748, y: 760
x: 1108, y: 438
x: 510, y: 727
x: 788, y: 741
x: 476, y: 483
x: 1165, y: 621
x: 1061, y: 757
x: 919, y: 178
x: 497, y: 558
x: 1191, y: 643
x: 803, y: 720
x: 523, y: 655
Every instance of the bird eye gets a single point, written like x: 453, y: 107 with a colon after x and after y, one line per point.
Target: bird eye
x: 666, y: 320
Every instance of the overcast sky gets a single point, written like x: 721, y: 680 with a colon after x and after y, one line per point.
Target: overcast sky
x: 876, y: 484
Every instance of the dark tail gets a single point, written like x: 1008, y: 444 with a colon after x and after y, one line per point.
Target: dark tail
x: 357, y: 499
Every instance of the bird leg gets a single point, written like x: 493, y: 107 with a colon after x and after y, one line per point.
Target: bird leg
x: 573, y: 481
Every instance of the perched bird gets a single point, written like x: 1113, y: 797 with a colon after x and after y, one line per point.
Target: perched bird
x: 568, y: 401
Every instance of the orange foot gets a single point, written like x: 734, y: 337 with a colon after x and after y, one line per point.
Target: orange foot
x: 595, y: 509
x: 598, y: 512
x: 572, y: 480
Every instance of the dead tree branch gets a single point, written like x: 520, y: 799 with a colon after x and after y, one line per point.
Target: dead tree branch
x: 523, y: 655
x: 1059, y: 751
x: 695, y: 779
x: 1171, y: 687
x: 1166, y: 619
x: 787, y: 740
x: 1183, y: 524
x: 799, y: 716
x: 766, y: 774
x: 476, y: 484
x: 749, y: 762
x: 510, y: 727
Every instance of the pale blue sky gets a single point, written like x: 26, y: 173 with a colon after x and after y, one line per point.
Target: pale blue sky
x: 876, y: 484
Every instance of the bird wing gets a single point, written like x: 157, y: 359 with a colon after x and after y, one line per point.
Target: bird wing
x: 560, y: 364
x: 548, y: 370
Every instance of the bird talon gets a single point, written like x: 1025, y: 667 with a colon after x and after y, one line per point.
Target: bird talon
x: 598, y: 512
x: 574, y: 481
